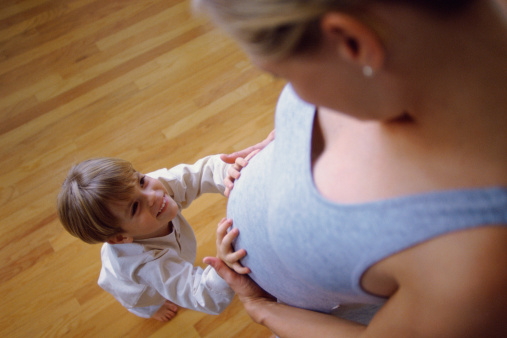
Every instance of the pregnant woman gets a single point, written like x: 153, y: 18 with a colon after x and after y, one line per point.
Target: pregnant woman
x: 380, y: 209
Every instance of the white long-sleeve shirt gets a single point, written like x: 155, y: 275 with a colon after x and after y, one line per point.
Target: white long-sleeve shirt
x: 143, y: 274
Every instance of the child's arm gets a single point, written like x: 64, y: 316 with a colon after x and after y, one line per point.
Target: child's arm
x: 170, y: 275
x: 184, y: 284
x: 186, y: 182
x: 225, y: 250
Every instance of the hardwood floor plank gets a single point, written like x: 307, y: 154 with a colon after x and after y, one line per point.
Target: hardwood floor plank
x: 136, y: 79
x: 61, y: 23
x: 96, y: 29
x: 10, y: 8
x: 16, y: 12
x: 10, y: 269
x: 159, y: 21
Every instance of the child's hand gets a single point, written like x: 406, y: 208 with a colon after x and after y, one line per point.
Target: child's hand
x: 224, y: 247
x: 234, y: 170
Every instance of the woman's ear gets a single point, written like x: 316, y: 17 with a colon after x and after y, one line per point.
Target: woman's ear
x: 119, y: 239
x: 353, y: 40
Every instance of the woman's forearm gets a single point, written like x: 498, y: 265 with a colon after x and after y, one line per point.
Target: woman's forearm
x: 287, y: 321
x: 283, y: 320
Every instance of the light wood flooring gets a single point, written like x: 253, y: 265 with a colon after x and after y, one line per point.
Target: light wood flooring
x: 143, y: 80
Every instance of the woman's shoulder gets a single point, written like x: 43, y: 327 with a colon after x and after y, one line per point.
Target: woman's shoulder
x: 457, y: 280
x: 459, y: 257
x: 477, y: 249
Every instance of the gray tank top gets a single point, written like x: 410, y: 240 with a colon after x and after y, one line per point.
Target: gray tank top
x: 310, y: 252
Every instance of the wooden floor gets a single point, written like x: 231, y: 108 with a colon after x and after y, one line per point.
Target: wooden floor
x: 143, y: 80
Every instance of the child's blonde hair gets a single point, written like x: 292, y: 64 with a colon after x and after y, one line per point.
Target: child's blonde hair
x: 87, y: 191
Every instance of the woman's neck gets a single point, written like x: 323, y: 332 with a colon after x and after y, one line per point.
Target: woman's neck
x: 397, y: 158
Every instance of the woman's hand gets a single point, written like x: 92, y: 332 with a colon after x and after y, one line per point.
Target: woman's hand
x: 231, y: 158
x: 246, y: 289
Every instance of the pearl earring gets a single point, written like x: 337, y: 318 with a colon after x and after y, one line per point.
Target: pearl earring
x: 367, y: 71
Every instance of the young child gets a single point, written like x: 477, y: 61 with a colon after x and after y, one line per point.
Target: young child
x: 149, y: 248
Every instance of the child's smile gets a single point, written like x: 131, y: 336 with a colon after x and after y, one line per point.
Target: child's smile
x: 162, y: 207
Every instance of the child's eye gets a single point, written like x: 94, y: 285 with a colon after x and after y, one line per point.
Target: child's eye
x: 141, y: 181
x: 134, y: 208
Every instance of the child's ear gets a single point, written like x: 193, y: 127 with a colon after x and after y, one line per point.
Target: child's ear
x: 119, y: 239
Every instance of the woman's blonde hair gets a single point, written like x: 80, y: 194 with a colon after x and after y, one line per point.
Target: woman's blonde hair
x: 279, y: 28
x: 87, y: 191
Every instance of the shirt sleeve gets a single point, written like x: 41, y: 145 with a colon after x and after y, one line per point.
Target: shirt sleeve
x: 189, y: 181
x: 186, y: 285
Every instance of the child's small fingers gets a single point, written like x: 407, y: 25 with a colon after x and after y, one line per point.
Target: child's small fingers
x: 252, y: 154
x: 228, y: 187
x: 234, y: 172
x: 236, y: 255
x: 228, y: 182
x: 240, y: 163
x: 222, y: 229
x: 223, y: 225
x: 230, y: 237
x: 240, y: 269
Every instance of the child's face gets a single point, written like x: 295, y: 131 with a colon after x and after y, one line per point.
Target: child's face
x: 148, y: 211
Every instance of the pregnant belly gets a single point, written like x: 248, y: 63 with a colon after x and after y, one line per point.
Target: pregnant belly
x: 250, y: 205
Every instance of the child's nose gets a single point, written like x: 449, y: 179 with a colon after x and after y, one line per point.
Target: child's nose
x: 150, y: 197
